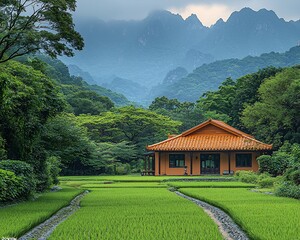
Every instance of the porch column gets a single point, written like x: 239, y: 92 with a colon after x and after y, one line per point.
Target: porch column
x: 229, y: 153
x: 159, y: 164
x: 149, y: 167
x: 191, y: 162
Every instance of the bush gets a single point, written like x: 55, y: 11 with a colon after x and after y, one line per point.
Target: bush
x: 288, y: 189
x: 276, y: 164
x: 54, y: 169
x: 11, y: 186
x: 246, y: 176
x: 123, y: 169
x: 266, y: 181
x: 23, y: 171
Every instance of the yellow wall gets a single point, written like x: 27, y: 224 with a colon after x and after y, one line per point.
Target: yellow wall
x: 166, y: 170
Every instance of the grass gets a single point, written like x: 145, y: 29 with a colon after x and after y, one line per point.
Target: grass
x: 141, y: 213
x: 262, y: 216
x: 17, y: 219
x: 211, y: 185
x: 137, y: 178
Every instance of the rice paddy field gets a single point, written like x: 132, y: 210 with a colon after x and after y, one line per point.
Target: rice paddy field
x: 139, y: 178
x: 17, y: 219
x: 137, y: 213
x: 262, y: 216
x: 135, y: 207
x: 203, y: 184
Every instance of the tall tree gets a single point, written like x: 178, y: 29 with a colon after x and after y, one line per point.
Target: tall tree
x: 276, y: 116
x: 27, y: 26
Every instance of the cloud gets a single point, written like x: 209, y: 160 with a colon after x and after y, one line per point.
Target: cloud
x: 208, y: 11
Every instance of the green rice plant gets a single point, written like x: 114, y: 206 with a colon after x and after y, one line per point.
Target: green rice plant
x: 210, y: 185
x: 137, y: 178
x: 127, y: 213
x: 124, y: 185
x: 262, y: 216
x: 15, y: 220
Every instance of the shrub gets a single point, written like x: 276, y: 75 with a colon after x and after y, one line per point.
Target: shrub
x: 276, y: 164
x: 22, y: 170
x: 288, y: 189
x: 54, y: 169
x: 265, y: 180
x: 122, y: 169
x: 246, y: 176
x: 11, y: 186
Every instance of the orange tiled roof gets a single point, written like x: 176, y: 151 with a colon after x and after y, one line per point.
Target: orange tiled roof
x: 233, y: 139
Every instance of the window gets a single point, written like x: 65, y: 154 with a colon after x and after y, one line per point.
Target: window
x: 244, y: 160
x: 176, y: 160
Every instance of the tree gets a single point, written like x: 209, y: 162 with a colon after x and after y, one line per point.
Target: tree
x: 134, y: 125
x: 29, y: 99
x: 276, y: 116
x: 89, y: 102
x: 185, y: 112
x: 65, y: 139
x: 27, y: 26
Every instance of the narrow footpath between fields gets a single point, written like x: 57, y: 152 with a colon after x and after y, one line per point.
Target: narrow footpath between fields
x: 227, y: 226
x: 43, y: 231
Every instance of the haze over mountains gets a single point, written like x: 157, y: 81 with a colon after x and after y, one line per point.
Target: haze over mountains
x: 143, y: 52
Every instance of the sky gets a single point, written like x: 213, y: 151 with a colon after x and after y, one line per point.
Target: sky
x: 208, y: 11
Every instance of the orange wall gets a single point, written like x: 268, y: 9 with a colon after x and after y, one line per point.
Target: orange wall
x: 165, y: 170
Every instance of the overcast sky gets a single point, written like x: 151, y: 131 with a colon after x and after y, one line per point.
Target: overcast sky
x: 208, y: 11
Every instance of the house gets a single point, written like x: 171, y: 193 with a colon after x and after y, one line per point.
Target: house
x: 212, y: 147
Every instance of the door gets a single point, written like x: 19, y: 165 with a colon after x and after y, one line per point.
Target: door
x: 210, y: 163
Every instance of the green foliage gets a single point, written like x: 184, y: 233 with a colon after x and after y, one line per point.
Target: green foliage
x: 54, y: 169
x: 184, y: 112
x: 266, y: 181
x: 68, y: 141
x: 2, y: 148
x: 288, y: 189
x: 89, y: 102
x: 275, y: 117
x: 246, y: 176
x: 135, y: 125
x: 25, y: 174
x: 30, y: 26
x: 29, y: 99
x: 229, y: 101
x: 11, y: 187
x: 210, y: 76
x: 275, y: 165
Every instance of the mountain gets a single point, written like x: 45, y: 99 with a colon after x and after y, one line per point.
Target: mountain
x: 141, y: 51
x: 209, y: 76
x: 248, y: 32
x: 145, y: 51
x: 78, y: 72
x: 132, y: 90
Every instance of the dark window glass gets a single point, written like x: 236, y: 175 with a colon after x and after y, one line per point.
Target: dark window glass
x: 176, y: 160
x: 244, y: 160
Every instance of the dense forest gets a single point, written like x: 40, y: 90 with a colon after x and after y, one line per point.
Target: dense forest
x: 209, y: 76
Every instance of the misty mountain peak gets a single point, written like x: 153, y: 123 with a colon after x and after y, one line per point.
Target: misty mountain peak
x: 163, y: 15
x: 193, y: 20
x: 248, y: 15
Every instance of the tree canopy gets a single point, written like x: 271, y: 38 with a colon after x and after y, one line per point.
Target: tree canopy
x: 27, y: 26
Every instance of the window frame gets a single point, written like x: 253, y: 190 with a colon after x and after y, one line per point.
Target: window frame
x: 174, y: 166
x: 244, y: 161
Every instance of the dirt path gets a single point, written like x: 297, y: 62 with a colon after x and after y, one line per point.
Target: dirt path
x: 227, y: 226
x: 43, y: 231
